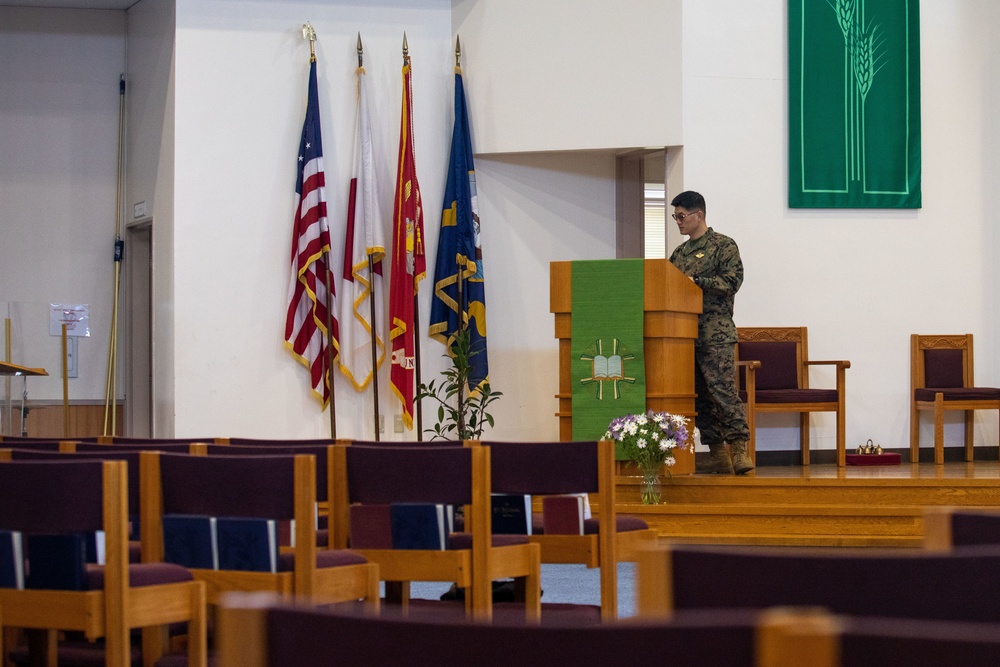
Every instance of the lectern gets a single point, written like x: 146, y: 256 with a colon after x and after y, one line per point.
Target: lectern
x: 9, y: 370
x: 671, y: 305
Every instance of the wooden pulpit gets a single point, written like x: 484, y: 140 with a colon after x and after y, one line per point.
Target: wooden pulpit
x: 671, y: 305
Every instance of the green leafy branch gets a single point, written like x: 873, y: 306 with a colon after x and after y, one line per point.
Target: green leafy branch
x: 461, y: 414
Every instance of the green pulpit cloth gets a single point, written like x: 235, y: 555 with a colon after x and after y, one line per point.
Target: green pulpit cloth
x: 607, y: 364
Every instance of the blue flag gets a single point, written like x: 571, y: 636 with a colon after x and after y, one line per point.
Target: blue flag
x: 459, y: 248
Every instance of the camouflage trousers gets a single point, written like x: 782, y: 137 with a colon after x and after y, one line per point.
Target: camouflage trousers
x: 721, y: 417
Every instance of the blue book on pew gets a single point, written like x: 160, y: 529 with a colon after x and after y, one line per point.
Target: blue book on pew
x: 511, y: 514
x: 56, y: 562
x: 190, y: 540
x: 247, y: 544
x: 11, y: 559
x: 420, y: 525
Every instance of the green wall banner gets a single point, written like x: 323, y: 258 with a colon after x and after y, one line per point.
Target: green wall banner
x: 607, y: 363
x: 854, y: 103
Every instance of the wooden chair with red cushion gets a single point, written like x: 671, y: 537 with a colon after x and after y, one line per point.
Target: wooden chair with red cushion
x: 942, y: 379
x: 279, y: 487
x: 773, y: 368
x: 448, y: 475
x: 82, y: 496
x: 554, y: 468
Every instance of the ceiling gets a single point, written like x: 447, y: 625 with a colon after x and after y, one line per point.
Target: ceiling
x: 70, y: 4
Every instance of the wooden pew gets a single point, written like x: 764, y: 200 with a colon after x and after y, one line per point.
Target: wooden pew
x: 956, y: 586
x: 946, y: 528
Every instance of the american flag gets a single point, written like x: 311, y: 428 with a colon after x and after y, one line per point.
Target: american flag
x: 306, y: 321
x: 408, y: 263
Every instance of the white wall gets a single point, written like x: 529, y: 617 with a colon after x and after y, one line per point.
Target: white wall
x: 536, y: 209
x: 241, y: 80
x: 572, y: 74
x: 861, y: 280
x: 59, y: 74
x: 151, y: 28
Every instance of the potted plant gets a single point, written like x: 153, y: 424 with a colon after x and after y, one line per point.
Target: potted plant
x: 461, y: 412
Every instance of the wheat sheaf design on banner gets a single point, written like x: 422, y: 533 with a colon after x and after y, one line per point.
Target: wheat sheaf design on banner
x: 864, y: 57
x: 608, y: 368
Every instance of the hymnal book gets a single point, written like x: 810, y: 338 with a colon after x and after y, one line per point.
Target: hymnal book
x: 11, y: 559
x: 371, y: 526
x: 511, y: 513
x: 247, y: 544
x: 56, y: 562
x: 420, y: 525
x: 190, y: 540
x: 562, y: 515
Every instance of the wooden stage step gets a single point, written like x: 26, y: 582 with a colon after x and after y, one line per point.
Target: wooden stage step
x: 814, y: 506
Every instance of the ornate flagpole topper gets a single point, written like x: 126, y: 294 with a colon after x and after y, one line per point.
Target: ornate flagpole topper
x: 308, y: 32
x: 361, y: 51
x: 458, y: 53
x: 406, y: 50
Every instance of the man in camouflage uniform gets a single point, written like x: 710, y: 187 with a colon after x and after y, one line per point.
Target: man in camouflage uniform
x: 713, y: 262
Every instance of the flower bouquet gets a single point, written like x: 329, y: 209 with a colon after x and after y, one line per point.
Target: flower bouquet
x: 649, y: 441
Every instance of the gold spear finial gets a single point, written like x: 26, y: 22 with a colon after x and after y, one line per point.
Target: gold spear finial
x: 406, y: 50
x: 308, y: 32
x: 458, y: 53
x: 361, y: 50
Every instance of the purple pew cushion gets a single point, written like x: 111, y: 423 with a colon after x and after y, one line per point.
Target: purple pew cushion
x: 464, y: 540
x: 324, y: 558
x: 794, y: 396
x: 623, y: 523
x: 142, y: 574
x: 959, y: 394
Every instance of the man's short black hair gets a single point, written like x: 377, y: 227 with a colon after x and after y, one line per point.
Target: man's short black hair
x: 690, y: 200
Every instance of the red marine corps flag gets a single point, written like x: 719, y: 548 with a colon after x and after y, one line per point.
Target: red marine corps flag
x: 306, y: 322
x: 408, y: 263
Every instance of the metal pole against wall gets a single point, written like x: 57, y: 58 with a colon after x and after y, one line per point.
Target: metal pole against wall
x: 7, y: 420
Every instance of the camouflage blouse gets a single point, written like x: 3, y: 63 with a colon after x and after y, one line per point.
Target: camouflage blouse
x: 715, y: 260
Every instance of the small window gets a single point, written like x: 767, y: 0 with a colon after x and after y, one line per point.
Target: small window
x: 654, y: 222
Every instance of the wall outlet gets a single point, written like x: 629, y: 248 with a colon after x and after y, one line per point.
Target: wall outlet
x: 397, y: 423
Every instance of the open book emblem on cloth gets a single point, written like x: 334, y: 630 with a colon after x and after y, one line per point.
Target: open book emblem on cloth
x: 608, y: 368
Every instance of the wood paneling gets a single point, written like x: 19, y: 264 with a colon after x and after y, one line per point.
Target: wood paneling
x: 85, y: 420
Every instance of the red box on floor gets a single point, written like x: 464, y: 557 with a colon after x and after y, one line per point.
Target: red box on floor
x: 883, y: 459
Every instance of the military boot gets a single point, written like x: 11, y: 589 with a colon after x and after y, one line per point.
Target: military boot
x: 741, y: 458
x: 718, y: 461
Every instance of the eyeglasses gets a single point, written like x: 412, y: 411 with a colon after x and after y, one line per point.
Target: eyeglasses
x: 679, y: 217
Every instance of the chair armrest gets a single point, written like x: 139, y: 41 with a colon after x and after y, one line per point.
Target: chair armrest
x: 837, y: 362
x: 751, y: 379
x: 842, y: 365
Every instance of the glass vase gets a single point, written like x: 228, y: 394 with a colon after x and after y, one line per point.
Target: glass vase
x: 650, y: 486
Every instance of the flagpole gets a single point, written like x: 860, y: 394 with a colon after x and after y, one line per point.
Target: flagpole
x: 371, y: 294
x: 459, y: 274
x: 111, y: 392
x: 308, y: 32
